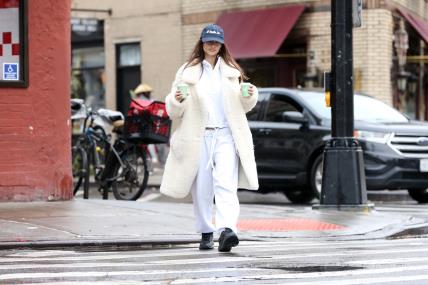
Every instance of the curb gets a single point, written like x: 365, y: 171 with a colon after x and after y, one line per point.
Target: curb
x: 94, y: 243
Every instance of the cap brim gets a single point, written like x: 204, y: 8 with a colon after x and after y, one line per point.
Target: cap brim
x: 212, y: 39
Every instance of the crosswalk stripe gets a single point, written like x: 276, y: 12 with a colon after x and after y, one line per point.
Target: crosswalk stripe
x: 115, y: 282
x: 402, y: 209
x: 283, y: 257
x: 346, y: 273
x: 244, y: 244
x: 376, y: 280
x: 38, y: 275
x: 225, y: 258
x: 397, y: 260
x: 193, y: 251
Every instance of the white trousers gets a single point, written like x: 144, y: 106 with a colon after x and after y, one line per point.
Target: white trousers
x: 217, y: 176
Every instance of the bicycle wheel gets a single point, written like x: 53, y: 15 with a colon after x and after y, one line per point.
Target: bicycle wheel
x: 133, y: 176
x: 86, y: 176
x: 79, y: 162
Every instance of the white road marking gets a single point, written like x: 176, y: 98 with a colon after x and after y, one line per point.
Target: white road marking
x: 41, y: 256
x: 38, y: 275
x: 221, y: 258
x: 347, y: 273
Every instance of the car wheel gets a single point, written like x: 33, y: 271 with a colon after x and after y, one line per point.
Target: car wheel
x: 315, y: 178
x: 420, y: 195
x: 302, y: 196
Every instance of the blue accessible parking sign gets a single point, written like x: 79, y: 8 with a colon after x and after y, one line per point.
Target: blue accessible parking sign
x: 10, y: 71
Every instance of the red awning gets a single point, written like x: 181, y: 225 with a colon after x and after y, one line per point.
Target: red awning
x: 417, y: 23
x: 258, y: 33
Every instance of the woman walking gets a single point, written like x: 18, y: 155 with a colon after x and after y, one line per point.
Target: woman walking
x: 211, y: 151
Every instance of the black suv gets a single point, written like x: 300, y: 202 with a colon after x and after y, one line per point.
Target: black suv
x: 290, y: 128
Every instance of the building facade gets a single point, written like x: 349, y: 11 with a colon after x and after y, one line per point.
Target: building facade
x: 146, y: 41
x: 35, y: 116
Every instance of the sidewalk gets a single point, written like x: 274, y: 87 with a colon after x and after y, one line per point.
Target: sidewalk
x: 111, y: 222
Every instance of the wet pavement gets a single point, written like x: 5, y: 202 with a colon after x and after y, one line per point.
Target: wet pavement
x: 151, y: 222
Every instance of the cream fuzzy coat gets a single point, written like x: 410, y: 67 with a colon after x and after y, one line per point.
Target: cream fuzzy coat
x: 189, y: 120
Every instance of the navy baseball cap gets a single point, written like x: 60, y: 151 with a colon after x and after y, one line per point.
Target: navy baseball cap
x: 212, y: 32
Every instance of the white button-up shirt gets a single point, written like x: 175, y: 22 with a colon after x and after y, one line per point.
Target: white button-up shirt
x: 210, y: 87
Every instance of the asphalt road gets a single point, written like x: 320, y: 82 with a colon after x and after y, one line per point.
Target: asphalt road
x: 297, y: 262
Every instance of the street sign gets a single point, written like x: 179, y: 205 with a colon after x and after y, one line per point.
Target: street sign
x: 13, y: 43
x: 357, y: 8
x: 10, y: 71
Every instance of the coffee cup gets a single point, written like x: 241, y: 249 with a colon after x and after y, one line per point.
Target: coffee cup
x: 184, y: 89
x: 244, y: 89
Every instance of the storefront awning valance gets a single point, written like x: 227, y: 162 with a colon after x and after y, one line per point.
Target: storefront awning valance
x: 258, y: 33
x: 417, y: 23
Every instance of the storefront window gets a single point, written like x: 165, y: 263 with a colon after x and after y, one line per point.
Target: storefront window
x: 88, y: 76
x: 13, y: 43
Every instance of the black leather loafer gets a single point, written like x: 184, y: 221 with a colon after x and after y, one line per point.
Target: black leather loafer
x: 207, y: 241
x: 227, y: 240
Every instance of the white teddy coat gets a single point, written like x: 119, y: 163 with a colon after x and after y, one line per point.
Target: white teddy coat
x: 189, y: 120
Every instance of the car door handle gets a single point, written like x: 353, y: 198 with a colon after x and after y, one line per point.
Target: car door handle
x: 265, y: 131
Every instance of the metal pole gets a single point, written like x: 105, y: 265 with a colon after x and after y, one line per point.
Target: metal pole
x: 343, y: 183
x: 341, y: 57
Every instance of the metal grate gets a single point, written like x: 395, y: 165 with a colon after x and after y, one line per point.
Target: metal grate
x: 410, y: 145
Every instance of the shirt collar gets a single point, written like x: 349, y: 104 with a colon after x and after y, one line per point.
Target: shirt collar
x: 206, y: 64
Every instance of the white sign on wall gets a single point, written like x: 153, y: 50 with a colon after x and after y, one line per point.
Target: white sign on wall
x: 9, y: 38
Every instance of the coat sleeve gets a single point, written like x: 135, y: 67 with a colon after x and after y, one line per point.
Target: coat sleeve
x: 248, y: 103
x: 174, y: 108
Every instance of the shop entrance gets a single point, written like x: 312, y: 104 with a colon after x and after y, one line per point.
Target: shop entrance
x: 128, y: 73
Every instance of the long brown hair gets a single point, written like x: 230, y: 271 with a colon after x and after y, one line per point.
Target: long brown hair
x: 198, y: 55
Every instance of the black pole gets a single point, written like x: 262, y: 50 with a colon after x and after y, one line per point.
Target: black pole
x: 343, y: 176
x: 341, y: 64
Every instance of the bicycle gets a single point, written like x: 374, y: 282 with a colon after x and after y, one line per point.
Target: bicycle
x: 126, y: 171
x: 89, y: 148
x: 121, y: 167
x: 146, y: 122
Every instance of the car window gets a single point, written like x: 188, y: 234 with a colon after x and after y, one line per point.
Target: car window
x: 253, y: 115
x: 278, y: 105
x: 365, y: 108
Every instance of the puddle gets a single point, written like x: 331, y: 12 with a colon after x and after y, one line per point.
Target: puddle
x: 314, y: 268
x: 411, y: 233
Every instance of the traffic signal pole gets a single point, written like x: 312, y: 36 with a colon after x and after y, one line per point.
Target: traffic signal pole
x: 343, y: 184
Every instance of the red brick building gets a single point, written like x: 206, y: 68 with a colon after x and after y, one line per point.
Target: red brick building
x: 35, y: 110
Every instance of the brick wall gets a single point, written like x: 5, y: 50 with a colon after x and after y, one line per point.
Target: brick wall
x: 419, y: 7
x: 35, y: 121
x: 376, y: 53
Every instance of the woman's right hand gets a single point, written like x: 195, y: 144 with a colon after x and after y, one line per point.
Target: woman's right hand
x: 178, y: 96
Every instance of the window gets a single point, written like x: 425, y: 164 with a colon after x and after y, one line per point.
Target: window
x: 277, y: 106
x: 13, y: 43
x: 129, y: 55
x: 253, y: 115
x: 88, y: 76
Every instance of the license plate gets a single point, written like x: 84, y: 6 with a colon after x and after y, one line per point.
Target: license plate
x: 423, y: 166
